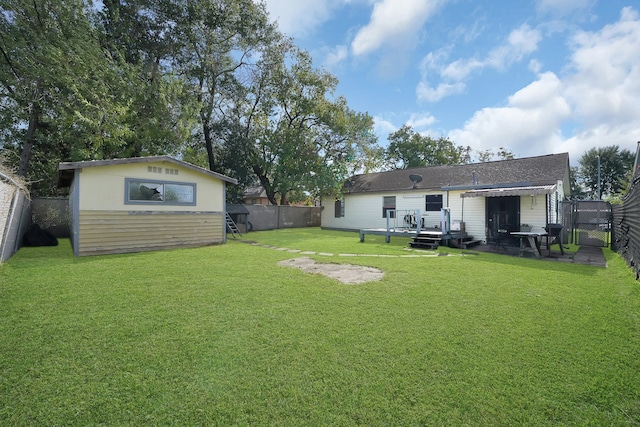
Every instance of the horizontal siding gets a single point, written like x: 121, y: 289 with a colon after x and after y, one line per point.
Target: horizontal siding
x: 473, y: 211
x: 104, y: 232
x: 533, y: 211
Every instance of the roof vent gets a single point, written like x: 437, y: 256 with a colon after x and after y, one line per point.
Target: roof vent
x: 415, y: 178
x: 474, y: 178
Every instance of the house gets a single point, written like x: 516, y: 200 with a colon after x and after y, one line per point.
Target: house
x: 14, y: 210
x: 142, y: 204
x: 480, y: 198
x: 255, y: 196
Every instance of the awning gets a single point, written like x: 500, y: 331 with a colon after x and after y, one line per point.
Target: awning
x: 533, y: 190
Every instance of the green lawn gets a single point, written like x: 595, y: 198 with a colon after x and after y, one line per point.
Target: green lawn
x: 223, y: 336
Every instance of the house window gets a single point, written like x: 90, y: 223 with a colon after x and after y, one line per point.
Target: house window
x: 339, y: 208
x: 433, y: 202
x: 139, y: 191
x: 389, y: 204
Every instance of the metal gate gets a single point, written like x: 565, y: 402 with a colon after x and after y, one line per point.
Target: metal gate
x: 588, y: 221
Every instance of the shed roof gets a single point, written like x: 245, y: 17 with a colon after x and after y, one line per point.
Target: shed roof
x: 237, y: 209
x: 528, y: 171
x: 66, y: 168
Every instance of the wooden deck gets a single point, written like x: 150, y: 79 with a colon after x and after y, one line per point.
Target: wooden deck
x: 429, y: 237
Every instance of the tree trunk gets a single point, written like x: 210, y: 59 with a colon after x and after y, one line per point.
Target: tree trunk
x: 268, y: 189
x: 34, y: 121
x: 206, y: 130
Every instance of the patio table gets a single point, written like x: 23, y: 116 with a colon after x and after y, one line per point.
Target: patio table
x: 533, y: 238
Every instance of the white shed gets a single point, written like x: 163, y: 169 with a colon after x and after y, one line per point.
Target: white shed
x: 142, y: 204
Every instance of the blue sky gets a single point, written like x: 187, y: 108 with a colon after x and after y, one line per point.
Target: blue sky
x: 536, y: 77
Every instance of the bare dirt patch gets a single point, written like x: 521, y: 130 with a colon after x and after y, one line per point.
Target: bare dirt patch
x: 345, y: 273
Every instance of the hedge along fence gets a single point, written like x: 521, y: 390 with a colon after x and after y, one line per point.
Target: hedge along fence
x: 626, y: 227
x: 14, y: 213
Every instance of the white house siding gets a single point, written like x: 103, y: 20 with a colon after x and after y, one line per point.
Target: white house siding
x: 472, y: 211
x: 365, y: 210
x: 533, y: 211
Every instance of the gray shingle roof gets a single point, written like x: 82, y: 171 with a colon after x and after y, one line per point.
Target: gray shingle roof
x: 540, y: 170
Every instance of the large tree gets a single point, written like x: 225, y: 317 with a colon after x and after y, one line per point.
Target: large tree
x: 53, y: 79
x: 288, y: 129
x: 218, y: 40
x: 615, y: 166
x: 409, y: 149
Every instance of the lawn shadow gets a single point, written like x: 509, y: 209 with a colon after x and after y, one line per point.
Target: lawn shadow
x: 549, y: 262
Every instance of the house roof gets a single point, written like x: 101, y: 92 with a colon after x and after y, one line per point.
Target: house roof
x: 255, y: 192
x: 524, y: 172
x: 66, y: 168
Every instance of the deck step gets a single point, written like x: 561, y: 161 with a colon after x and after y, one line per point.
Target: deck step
x: 466, y: 243
x: 426, y: 241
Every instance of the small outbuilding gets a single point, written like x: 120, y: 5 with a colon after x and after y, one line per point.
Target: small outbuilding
x: 143, y: 204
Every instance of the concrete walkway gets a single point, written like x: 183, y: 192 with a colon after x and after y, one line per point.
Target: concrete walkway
x: 590, y: 255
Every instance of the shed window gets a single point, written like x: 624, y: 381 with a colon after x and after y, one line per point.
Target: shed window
x: 433, y: 202
x: 139, y: 191
x: 389, y: 204
x: 339, y: 208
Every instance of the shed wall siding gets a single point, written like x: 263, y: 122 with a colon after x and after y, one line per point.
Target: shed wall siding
x: 108, y: 231
x: 103, y: 188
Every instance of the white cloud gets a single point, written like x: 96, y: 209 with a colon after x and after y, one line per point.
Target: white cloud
x: 300, y: 17
x: 336, y: 56
x: 531, y: 118
x: 605, y: 84
x: 431, y: 94
x: 520, y: 43
x: 596, y: 101
x: 393, y: 23
x: 420, y: 122
x: 382, y: 128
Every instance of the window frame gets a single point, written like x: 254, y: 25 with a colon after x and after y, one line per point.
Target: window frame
x: 164, y: 184
x: 338, y: 208
x: 386, y: 206
x: 428, y: 203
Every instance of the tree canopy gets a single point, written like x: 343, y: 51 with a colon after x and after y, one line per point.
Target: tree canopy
x: 409, y: 149
x: 211, y: 81
x: 615, y: 170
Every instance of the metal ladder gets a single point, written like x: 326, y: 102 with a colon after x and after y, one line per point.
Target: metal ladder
x: 231, y: 226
